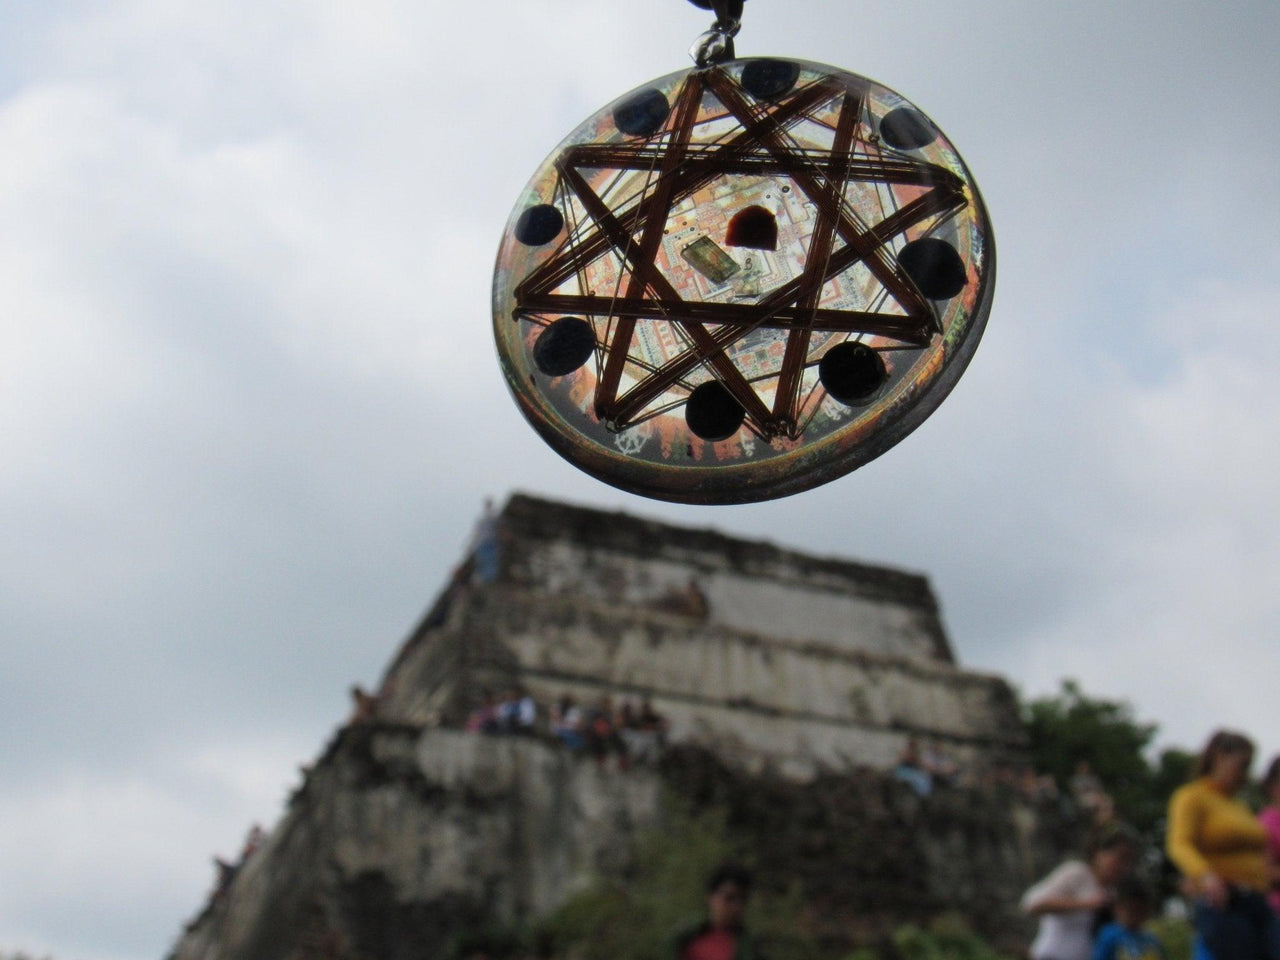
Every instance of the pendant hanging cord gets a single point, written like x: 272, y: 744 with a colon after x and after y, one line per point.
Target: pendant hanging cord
x: 716, y: 45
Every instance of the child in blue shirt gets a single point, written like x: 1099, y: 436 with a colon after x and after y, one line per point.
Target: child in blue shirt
x: 1126, y: 938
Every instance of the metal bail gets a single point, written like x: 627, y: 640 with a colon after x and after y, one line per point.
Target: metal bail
x: 716, y: 45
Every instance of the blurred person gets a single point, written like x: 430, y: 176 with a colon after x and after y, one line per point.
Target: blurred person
x: 566, y: 724
x: 602, y: 735
x: 1220, y: 848
x: 910, y: 769
x: 686, y: 601
x: 1006, y: 777
x: 626, y: 721
x: 526, y: 713
x: 1047, y: 787
x: 1105, y: 810
x: 509, y: 711
x: 1028, y: 784
x: 226, y: 875
x: 484, y: 718
x: 640, y: 738
x: 253, y: 842
x: 1069, y: 900
x: 650, y: 719
x: 694, y: 601
x: 1086, y: 789
x: 651, y: 728
x: 1270, y: 820
x: 939, y: 764
x: 721, y: 934
x: 1126, y: 937
x: 485, y: 544
x: 364, y: 706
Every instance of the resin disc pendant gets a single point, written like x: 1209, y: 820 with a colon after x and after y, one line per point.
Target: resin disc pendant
x: 739, y: 282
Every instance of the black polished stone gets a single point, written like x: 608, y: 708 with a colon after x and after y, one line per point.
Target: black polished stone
x: 934, y: 266
x: 712, y: 412
x: 539, y: 224
x: 907, y: 129
x: 564, y: 346
x: 852, y: 372
x: 643, y: 114
x: 767, y: 79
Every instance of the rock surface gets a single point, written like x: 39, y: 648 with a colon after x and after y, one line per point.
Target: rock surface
x: 402, y: 838
x: 765, y: 654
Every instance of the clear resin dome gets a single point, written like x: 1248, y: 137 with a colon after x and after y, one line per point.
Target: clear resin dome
x: 740, y: 282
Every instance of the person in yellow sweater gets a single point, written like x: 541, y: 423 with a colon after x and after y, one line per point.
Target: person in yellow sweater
x: 1220, y: 848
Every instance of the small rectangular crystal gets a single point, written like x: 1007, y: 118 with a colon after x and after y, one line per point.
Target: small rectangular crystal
x: 705, y: 256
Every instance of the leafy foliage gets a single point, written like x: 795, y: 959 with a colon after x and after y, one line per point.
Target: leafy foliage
x: 1176, y: 936
x: 946, y: 938
x: 1071, y: 726
x: 498, y: 943
x: 634, y: 917
x: 631, y: 917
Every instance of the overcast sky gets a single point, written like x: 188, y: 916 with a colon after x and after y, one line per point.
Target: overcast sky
x: 250, y: 406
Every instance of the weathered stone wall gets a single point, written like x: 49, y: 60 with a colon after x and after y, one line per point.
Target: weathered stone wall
x: 782, y: 701
x: 622, y: 561
x: 778, y: 660
x: 402, y: 838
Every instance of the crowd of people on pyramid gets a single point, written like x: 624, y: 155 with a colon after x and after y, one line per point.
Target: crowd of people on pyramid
x: 629, y: 733
x: 1097, y: 907
x: 928, y: 768
x: 932, y: 767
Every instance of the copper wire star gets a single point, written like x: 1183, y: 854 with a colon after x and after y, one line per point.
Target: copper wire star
x: 840, y: 239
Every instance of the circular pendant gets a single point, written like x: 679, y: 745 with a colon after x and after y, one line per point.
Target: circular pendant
x: 740, y: 282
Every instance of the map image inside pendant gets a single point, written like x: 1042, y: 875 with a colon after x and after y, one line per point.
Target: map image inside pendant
x: 741, y: 282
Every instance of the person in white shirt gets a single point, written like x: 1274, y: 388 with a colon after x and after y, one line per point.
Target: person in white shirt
x: 526, y: 714
x: 1069, y: 899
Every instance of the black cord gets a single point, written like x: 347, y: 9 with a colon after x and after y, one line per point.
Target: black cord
x: 731, y: 8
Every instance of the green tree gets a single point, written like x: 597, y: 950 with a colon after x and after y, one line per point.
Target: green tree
x: 1072, y: 726
x: 947, y: 937
x: 625, y: 917
x: 1172, y: 769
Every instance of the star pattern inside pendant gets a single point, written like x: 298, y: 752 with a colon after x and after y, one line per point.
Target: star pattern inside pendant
x: 611, y: 274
